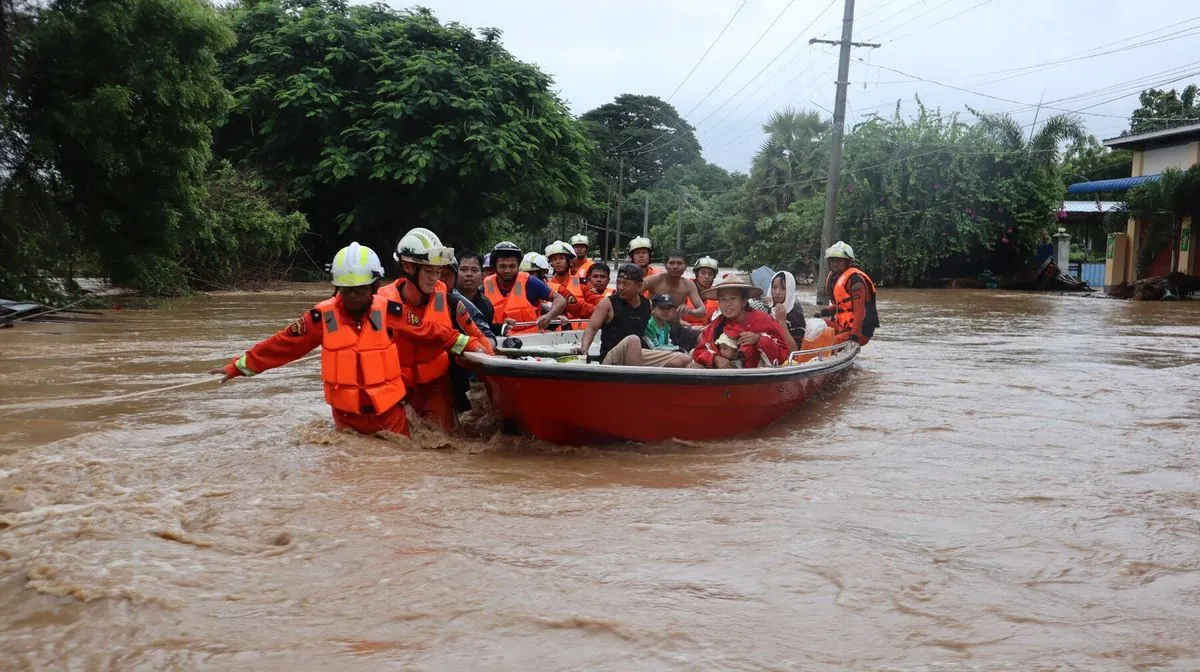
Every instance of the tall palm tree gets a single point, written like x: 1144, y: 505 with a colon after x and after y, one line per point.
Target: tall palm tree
x: 1042, y: 149
x: 787, y: 166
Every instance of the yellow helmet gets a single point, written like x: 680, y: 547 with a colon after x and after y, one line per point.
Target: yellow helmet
x: 839, y: 250
x: 355, y: 266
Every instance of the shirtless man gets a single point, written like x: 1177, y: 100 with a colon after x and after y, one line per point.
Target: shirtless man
x: 685, y: 294
x: 680, y: 288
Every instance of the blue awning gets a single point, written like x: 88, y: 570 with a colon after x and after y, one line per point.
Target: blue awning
x: 1120, y: 184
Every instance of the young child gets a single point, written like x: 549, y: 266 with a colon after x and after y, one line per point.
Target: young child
x: 729, y: 350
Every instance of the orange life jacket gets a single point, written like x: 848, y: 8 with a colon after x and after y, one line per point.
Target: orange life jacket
x: 584, y: 269
x: 421, y: 363
x: 516, y: 305
x: 572, y: 289
x: 710, y: 308
x: 646, y: 273
x: 358, y: 361
x: 843, y: 316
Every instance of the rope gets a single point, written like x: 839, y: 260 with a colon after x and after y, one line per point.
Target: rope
x: 208, y: 378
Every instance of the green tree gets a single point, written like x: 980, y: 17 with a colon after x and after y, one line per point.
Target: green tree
x: 791, y: 164
x: 1164, y: 109
x: 371, y: 121
x: 127, y: 141
x: 1088, y: 160
x: 647, y: 133
x: 241, y: 233
x: 915, y: 194
x: 1028, y: 176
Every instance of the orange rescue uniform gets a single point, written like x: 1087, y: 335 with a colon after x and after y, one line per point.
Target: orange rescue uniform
x: 426, y: 368
x: 582, y: 269
x: 514, y: 304
x: 854, y: 313
x: 591, y: 299
x: 573, y: 290
x: 360, y: 363
x: 710, y: 309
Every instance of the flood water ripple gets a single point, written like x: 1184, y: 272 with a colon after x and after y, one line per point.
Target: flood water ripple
x: 1004, y: 481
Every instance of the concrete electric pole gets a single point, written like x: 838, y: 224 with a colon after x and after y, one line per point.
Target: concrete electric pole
x: 829, y: 227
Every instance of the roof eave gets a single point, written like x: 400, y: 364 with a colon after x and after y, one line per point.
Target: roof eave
x: 1139, y: 140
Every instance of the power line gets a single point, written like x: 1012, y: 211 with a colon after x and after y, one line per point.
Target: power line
x: 689, y: 75
x: 731, y: 70
x: 751, y: 80
x: 938, y: 23
x: 915, y: 18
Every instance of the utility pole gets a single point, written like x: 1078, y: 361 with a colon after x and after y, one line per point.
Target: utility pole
x: 829, y: 226
x: 679, y: 220
x: 607, y: 222
x: 620, y: 188
x: 646, y: 218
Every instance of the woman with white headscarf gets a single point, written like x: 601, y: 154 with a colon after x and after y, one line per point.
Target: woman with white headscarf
x: 786, y: 310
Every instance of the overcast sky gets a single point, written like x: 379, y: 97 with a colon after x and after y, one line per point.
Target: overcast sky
x: 598, y: 49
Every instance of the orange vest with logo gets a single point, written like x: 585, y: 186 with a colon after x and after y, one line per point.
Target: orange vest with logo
x: 843, y: 317
x: 584, y: 269
x: 710, y: 308
x: 358, y: 360
x: 571, y: 290
x: 516, y: 305
x: 420, y: 363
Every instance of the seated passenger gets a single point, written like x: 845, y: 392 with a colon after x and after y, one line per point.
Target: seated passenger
x: 747, y: 327
x: 786, y: 309
x: 661, y: 334
x: 595, y: 289
x: 622, y: 321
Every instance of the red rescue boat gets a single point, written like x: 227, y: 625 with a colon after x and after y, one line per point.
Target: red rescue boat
x: 543, y: 396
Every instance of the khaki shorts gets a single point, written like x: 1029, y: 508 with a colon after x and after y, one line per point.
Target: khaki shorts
x: 661, y: 358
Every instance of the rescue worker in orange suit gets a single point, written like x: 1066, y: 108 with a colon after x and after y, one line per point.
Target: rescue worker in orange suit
x: 851, y: 308
x: 563, y: 281
x: 705, y: 270
x: 516, y: 296
x: 596, y: 289
x: 360, y: 333
x: 420, y: 288
x: 581, y: 265
x: 639, y: 253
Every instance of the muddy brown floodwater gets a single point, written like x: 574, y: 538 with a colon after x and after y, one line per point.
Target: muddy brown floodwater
x: 1005, y: 481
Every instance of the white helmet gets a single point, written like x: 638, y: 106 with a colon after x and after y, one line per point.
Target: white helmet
x: 559, y: 247
x: 839, y: 250
x: 640, y: 243
x: 422, y: 246
x: 355, y: 266
x: 534, y: 262
x: 706, y: 262
x: 580, y: 239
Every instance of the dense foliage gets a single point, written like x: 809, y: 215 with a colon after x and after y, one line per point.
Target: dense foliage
x: 171, y: 144
x: 372, y: 121
x: 1165, y: 109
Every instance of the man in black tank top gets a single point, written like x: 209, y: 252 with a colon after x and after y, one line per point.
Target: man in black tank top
x: 621, y: 320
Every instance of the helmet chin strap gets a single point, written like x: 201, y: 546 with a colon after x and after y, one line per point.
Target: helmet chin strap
x: 414, y: 278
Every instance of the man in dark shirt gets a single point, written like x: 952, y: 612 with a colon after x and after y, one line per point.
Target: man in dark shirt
x: 621, y: 321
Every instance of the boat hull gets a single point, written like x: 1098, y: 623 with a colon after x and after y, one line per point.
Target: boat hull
x: 576, y: 404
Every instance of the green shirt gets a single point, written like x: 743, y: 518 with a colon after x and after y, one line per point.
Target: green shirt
x: 660, y: 336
